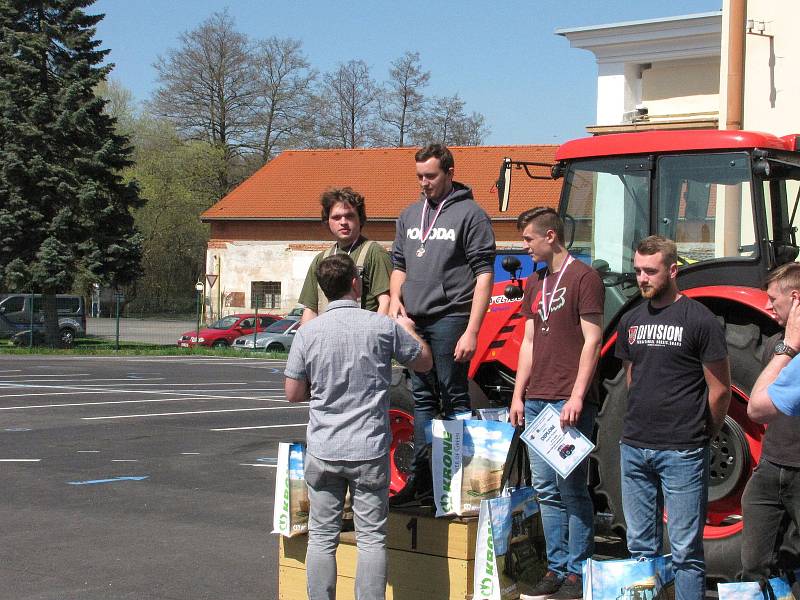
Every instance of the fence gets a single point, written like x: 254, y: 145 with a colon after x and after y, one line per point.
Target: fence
x: 112, y: 321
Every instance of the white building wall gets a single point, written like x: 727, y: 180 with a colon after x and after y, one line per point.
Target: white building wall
x: 239, y: 263
x: 772, y: 60
x: 669, y: 66
x: 681, y: 88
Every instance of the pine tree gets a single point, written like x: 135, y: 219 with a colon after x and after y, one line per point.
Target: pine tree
x: 65, y: 211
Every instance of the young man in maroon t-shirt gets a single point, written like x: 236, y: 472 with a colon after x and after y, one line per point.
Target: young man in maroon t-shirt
x: 563, y: 304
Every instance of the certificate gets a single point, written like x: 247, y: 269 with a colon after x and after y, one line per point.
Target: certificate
x: 562, y: 449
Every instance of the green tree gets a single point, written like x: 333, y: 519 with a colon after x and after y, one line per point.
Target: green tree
x: 179, y: 180
x: 65, y: 210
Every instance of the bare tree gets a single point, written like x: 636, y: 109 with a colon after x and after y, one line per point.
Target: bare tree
x: 284, y: 94
x: 442, y: 116
x: 208, y: 85
x: 401, y: 102
x: 346, y: 106
x: 471, y: 131
x: 447, y: 123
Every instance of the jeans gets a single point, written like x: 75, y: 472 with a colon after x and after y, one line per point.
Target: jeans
x: 771, y: 495
x: 565, y: 505
x: 328, y: 482
x: 675, y: 480
x: 444, y: 390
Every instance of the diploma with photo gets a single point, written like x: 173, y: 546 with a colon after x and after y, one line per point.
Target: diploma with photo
x: 562, y: 449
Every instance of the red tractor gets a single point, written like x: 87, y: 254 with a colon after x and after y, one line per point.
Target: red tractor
x: 729, y: 199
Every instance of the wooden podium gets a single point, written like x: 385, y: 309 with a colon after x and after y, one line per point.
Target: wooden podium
x: 427, y: 558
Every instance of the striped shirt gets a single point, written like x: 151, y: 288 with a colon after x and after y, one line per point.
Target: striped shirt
x: 346, y: 354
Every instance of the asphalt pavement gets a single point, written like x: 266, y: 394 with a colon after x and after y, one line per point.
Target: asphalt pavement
x: 140, y: 477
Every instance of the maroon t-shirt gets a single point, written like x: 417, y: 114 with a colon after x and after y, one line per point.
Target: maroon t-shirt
x: 557, y: 354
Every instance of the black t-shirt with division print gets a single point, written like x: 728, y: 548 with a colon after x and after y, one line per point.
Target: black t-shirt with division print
x: 668, y: 396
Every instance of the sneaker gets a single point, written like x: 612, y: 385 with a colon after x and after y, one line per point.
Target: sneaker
x: 547, y: 586
x: 571, y: 587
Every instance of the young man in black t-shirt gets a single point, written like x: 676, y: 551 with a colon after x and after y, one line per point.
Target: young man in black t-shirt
x: 675, y: 358
x: 772, y: 495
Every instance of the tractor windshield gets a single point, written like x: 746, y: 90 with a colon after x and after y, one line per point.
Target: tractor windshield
x: 702, y: 201
x: 608, y: 210
x: 705, y: 205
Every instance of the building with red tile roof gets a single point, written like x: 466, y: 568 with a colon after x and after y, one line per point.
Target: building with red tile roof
x: 266, y: 231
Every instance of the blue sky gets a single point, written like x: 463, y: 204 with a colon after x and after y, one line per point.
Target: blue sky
x: 502, y: 58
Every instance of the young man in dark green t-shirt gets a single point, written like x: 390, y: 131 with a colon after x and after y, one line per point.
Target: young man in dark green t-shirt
x: 344, y: 212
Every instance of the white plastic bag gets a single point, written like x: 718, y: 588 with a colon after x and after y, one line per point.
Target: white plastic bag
x: 504, y: 547
x: 290, y: 515
x: 468, y: 458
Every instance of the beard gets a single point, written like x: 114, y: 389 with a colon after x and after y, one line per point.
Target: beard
x: 653, y: 292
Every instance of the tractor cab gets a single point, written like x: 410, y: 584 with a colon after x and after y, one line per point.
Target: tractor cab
x: 728, y: 198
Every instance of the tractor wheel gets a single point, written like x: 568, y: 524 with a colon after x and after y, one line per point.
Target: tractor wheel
x: 401, y: 418
x: 734, y: 454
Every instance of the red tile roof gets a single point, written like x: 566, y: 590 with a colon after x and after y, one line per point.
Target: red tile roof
x: 289, y: 186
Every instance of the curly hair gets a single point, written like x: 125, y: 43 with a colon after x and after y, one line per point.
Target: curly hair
x: 344, y: 195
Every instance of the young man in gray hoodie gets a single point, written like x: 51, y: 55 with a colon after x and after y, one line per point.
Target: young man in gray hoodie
x: 443, y: 263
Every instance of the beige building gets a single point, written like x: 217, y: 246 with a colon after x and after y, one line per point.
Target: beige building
x: 266, y: 232
x: 678, y: 72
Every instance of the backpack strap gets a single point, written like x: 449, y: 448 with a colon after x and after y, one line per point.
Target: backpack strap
x: 361, y: 258
x: 322, y: 299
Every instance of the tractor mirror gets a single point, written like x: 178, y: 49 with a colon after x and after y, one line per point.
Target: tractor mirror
x: 511, y: 264
x: 513, y: 292
x: 504, y: 184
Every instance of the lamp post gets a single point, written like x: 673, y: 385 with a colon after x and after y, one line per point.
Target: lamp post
x: 199, y: 289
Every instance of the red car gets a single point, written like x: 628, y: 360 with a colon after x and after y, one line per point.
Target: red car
x: 221, y: 334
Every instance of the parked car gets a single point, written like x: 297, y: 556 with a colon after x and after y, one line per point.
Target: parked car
x: 277, y: 337
x: 223, y: 332
x: 297, y: 311
x: 20, y: 333
x: 71, y: 313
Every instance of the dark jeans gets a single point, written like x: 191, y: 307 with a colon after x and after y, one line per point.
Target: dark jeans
x: 772, y: 494
x: 444, y: 390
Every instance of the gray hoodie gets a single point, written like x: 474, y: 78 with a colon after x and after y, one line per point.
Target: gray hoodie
x: 460, y: 247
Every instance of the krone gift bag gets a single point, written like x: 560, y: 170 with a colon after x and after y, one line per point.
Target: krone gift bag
x: 631, y: 579
x: 468, y: 458
x: 505, y: 544
x: 291, y: 494
x: 776, y: 588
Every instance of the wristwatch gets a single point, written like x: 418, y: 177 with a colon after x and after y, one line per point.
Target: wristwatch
x: 783, y: 348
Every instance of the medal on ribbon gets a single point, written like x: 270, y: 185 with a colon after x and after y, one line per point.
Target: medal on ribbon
x: 547, y: 304
x: 423, y: 233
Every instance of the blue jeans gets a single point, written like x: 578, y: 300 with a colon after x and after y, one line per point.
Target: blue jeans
x: 675, y: 480
x: 444, y: 390
x: 565, y: 505
x: 328, y: 482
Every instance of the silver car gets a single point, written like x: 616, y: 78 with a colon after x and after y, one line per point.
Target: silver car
x: 275, y: 338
